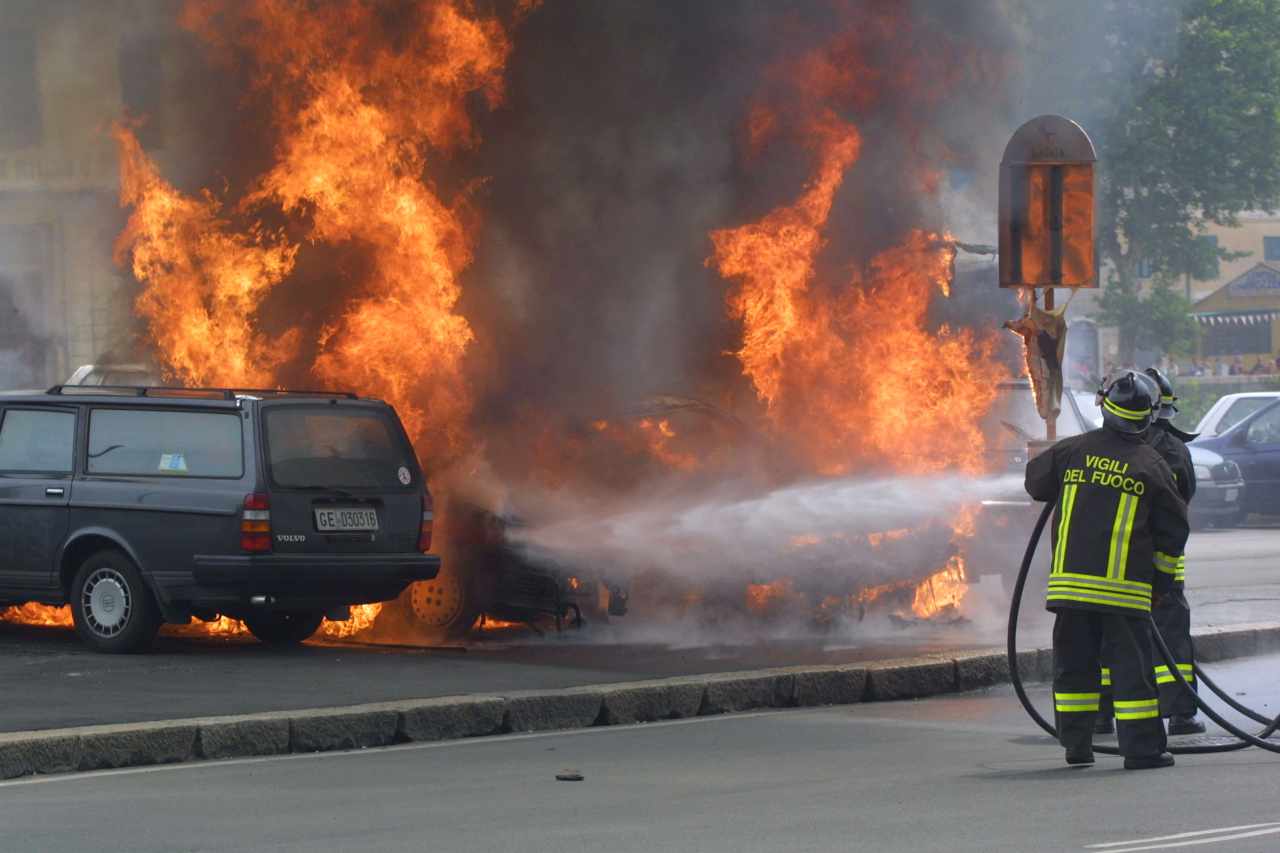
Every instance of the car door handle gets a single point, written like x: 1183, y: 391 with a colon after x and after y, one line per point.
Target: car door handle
x: 55, y: 492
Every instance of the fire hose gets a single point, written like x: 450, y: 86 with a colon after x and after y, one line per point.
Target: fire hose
x: 1244, y: 739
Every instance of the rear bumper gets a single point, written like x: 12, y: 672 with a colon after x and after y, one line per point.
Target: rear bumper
x: 1217, y: 500
x: 301, y: 570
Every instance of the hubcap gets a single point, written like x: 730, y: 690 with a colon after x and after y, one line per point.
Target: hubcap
x: 106, y: 602
x: 437, y: 602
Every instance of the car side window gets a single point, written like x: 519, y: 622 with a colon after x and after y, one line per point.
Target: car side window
x: 33, y: 441
x: 1241, y: 409
x: 162, y: 443
x: 1266, y: 429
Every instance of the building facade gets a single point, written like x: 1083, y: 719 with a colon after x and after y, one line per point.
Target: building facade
x: 67, y: 71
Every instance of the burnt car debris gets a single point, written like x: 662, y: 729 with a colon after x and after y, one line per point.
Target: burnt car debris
x: 488, y: 575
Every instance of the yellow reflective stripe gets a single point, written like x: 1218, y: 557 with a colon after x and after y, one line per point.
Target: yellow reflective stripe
x: 1106, y: 677
x: 1075, y: 586
x: 1097, y: 598
x: 1165, y: 676
x: 1127, y: 414
x: 1064, y: 525
x: 1137, y: 703
x: 1127, y: 535
x: 1138, y: 715
x: 1076, y: 702
x: 1121, y: 531
x: 1119, y: 585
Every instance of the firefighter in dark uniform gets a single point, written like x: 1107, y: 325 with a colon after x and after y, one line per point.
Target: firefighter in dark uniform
x: 1171, y: 612
x: 1118, y: 513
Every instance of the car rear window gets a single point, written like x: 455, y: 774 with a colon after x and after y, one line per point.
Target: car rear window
x: 165, y: 443
x: 1241, y: 409
x: 316, y: 447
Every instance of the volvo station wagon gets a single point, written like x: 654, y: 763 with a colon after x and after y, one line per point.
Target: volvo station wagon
x: 140, y: 506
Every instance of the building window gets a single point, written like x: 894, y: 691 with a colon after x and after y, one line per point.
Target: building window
x: 1236, y: 339
x: 1144, y: 268
x: 21, y: 125
x: 1209, y: 245
x: 1271, y: 248
x: 141, y: 64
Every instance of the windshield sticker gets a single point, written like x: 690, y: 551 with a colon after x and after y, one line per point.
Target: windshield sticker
x: 174, y: 463
x: 405, y: 476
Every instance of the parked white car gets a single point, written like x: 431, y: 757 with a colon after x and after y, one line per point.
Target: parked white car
x: 1231, y: 409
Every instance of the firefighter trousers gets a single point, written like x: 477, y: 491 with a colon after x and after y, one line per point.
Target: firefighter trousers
x: 1172, y: 615
x: 1079, y: 637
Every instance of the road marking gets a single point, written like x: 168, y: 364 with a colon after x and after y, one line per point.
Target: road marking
x: 1189, y: 839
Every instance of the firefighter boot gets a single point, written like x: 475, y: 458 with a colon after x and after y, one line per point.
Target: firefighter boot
x: 1149, y: 762
x: 1080, y: 755
x: 1185, y: 725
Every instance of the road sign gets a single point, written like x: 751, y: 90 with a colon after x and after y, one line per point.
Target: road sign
x: 1046, y: 206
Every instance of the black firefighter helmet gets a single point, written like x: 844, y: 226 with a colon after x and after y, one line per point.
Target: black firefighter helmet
x: 1167, y: 409
x: 1126, y: 398
x: 1167, y: 398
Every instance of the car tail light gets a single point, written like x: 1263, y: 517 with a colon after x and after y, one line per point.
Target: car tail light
x: 428, y: 519
x: 255, y: 524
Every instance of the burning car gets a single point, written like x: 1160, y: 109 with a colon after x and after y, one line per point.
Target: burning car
x: 486, y: 574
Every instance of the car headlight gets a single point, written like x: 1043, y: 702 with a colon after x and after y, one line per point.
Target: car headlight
x: 1203, y: 473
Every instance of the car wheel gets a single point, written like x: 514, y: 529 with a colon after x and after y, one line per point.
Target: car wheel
x: 283, y: 629
x: 443, y: 606
x: 111, y: 605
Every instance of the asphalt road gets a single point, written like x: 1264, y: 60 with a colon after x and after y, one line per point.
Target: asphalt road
x: 966, y: 773
x: 1234, y: 575
x: 50, y: 681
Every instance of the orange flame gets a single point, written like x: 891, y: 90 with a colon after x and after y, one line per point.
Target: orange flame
x: 362, y: 113
x: 942, y: 590
x: 37, y: 614
x: 765, y: 598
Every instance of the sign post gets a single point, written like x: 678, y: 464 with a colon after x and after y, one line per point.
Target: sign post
x: 1047, y: 241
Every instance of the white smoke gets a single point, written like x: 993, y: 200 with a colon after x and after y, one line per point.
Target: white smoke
x: 806, y: 527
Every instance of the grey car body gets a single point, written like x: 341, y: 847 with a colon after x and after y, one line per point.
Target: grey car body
x: 69, y: 491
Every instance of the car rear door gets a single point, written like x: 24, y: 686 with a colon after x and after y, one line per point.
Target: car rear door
x: 37, y: 463
x: 342, y: 478
x: 1259, y: 461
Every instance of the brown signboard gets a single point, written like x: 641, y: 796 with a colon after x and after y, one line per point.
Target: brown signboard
x: 1046, y: 206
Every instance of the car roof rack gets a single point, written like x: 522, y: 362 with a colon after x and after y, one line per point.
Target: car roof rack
x: 195, y: 393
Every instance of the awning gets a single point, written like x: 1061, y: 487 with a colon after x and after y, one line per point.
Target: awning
x: 1241, y: 318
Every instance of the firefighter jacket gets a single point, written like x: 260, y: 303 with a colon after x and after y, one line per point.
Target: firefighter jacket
x: 1175, y: 453
x: 1118, y: 515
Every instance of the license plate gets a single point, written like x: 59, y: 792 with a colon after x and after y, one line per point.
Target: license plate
x: 1232, y: 494
x: 345, y: 519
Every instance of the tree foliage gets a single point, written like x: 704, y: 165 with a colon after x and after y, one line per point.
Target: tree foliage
x: 1183, y: 102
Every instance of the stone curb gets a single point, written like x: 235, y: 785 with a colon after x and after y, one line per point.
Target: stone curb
x: 453, y: 717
